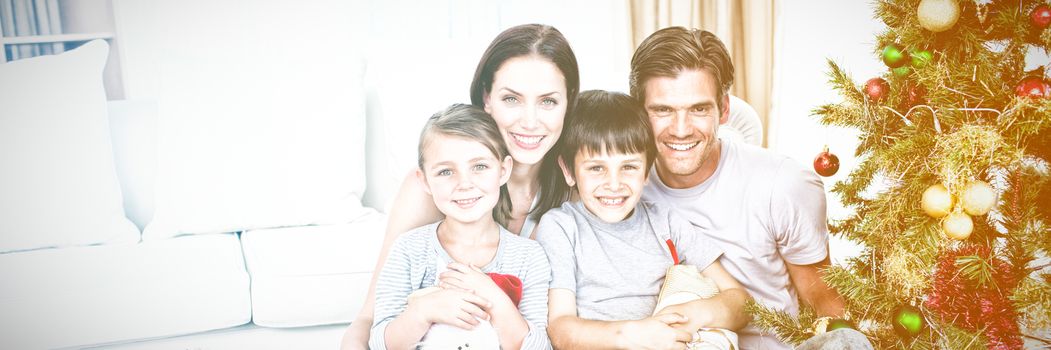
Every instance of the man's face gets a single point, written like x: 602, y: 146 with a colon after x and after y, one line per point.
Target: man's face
x: 685, y: 119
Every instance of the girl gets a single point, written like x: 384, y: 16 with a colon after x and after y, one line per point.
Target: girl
x: 464, y: 166
x: 527, y: 79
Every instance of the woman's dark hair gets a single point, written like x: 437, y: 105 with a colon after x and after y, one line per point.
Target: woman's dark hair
x: 533, y: 40
x: 471, y: 123
x: 610, y: 122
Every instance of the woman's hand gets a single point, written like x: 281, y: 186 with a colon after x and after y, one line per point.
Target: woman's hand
x: 450, y: 306
x: 472, y: 279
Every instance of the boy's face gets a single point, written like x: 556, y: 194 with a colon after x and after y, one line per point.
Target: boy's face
x: 463, y: 177
x: 609, y: 185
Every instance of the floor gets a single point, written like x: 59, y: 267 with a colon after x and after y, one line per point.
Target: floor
x: 246, y: 337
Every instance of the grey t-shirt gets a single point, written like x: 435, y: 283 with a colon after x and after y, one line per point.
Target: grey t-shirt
x: 616, y: 269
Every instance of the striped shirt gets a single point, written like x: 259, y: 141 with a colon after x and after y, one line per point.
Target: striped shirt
x: 411, y: 265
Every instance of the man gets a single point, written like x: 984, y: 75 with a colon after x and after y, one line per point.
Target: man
x: 766, y: 212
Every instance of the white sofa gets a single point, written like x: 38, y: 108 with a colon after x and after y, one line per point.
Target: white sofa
x: 64, y: 286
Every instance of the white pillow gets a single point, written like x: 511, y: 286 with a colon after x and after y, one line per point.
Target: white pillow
x: 394, y: 123
x: 261, y: 124
x: 743, y: 125
x: 58, y: 186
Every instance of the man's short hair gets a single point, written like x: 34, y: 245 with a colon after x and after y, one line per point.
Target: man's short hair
x: 672, y: 50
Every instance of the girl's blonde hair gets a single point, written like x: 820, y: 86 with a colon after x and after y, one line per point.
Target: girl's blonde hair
x: 472, y: 123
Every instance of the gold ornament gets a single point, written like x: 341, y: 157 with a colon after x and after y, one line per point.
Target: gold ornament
x: 978, y: 198
x: 958, y: 226
x: 938, y: 15
x: 936, y: 201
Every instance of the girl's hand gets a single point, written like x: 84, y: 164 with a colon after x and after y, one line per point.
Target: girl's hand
x: 472, y: 279
x: 450, y: 306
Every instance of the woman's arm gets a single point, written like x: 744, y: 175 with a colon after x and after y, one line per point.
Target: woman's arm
x: 412, y: 208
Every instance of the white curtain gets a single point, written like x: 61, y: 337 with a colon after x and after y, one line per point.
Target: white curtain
x: 746, y: 27
x: 29, y: 18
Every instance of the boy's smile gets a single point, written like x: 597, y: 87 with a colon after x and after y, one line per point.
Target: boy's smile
x: 609, y: 185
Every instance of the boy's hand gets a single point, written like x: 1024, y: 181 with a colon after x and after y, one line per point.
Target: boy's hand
x: 656, y: 332
x: 450, y: 306
x: 473, y: 280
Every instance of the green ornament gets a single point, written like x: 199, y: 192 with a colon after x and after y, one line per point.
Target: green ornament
x: 908, y: 321
x: 894, y: 57
x: 838, y: 323
x: 901, y: 71
x: 921, y: 58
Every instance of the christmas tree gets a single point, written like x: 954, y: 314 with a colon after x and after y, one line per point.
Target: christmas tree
x: 952, y: 195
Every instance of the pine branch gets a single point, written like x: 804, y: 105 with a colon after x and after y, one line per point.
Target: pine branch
x: 841, y: 81
x: 788, y: 329
x: 1032, y: 298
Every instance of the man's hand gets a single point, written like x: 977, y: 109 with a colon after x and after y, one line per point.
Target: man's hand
x: 450, y: 306
x: 657, y: 332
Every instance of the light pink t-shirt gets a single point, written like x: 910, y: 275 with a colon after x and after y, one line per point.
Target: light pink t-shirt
x: 760, y: 208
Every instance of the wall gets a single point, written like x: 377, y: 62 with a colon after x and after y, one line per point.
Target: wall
x: 807, y: 34
x: 94, y: 16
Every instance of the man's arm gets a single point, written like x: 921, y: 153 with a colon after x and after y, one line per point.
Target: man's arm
x: 800, y: 222
x: 567, y: 331
x: 813, y: 290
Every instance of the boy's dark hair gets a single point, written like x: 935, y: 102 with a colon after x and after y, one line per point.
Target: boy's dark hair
x: 610, y: 122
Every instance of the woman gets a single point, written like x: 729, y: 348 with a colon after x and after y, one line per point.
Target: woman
x: 527, y: 79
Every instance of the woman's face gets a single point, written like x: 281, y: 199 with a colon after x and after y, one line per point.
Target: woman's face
x: 528, y: 101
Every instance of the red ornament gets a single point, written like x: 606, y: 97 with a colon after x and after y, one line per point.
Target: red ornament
x: 826, y: 164
x: 1040, y: 17
x: 917, y: 94
x: 1033, y: 87
x: 975, y: 307
x: 876, y: 89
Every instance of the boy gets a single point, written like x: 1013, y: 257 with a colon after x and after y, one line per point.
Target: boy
x: 609, y: 253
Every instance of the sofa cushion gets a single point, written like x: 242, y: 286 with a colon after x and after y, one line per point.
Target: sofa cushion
x: 312, y: 275
x: 133, y: 126
x: 58, y: 184
x: 260, y: 124
x: 91, y: 295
